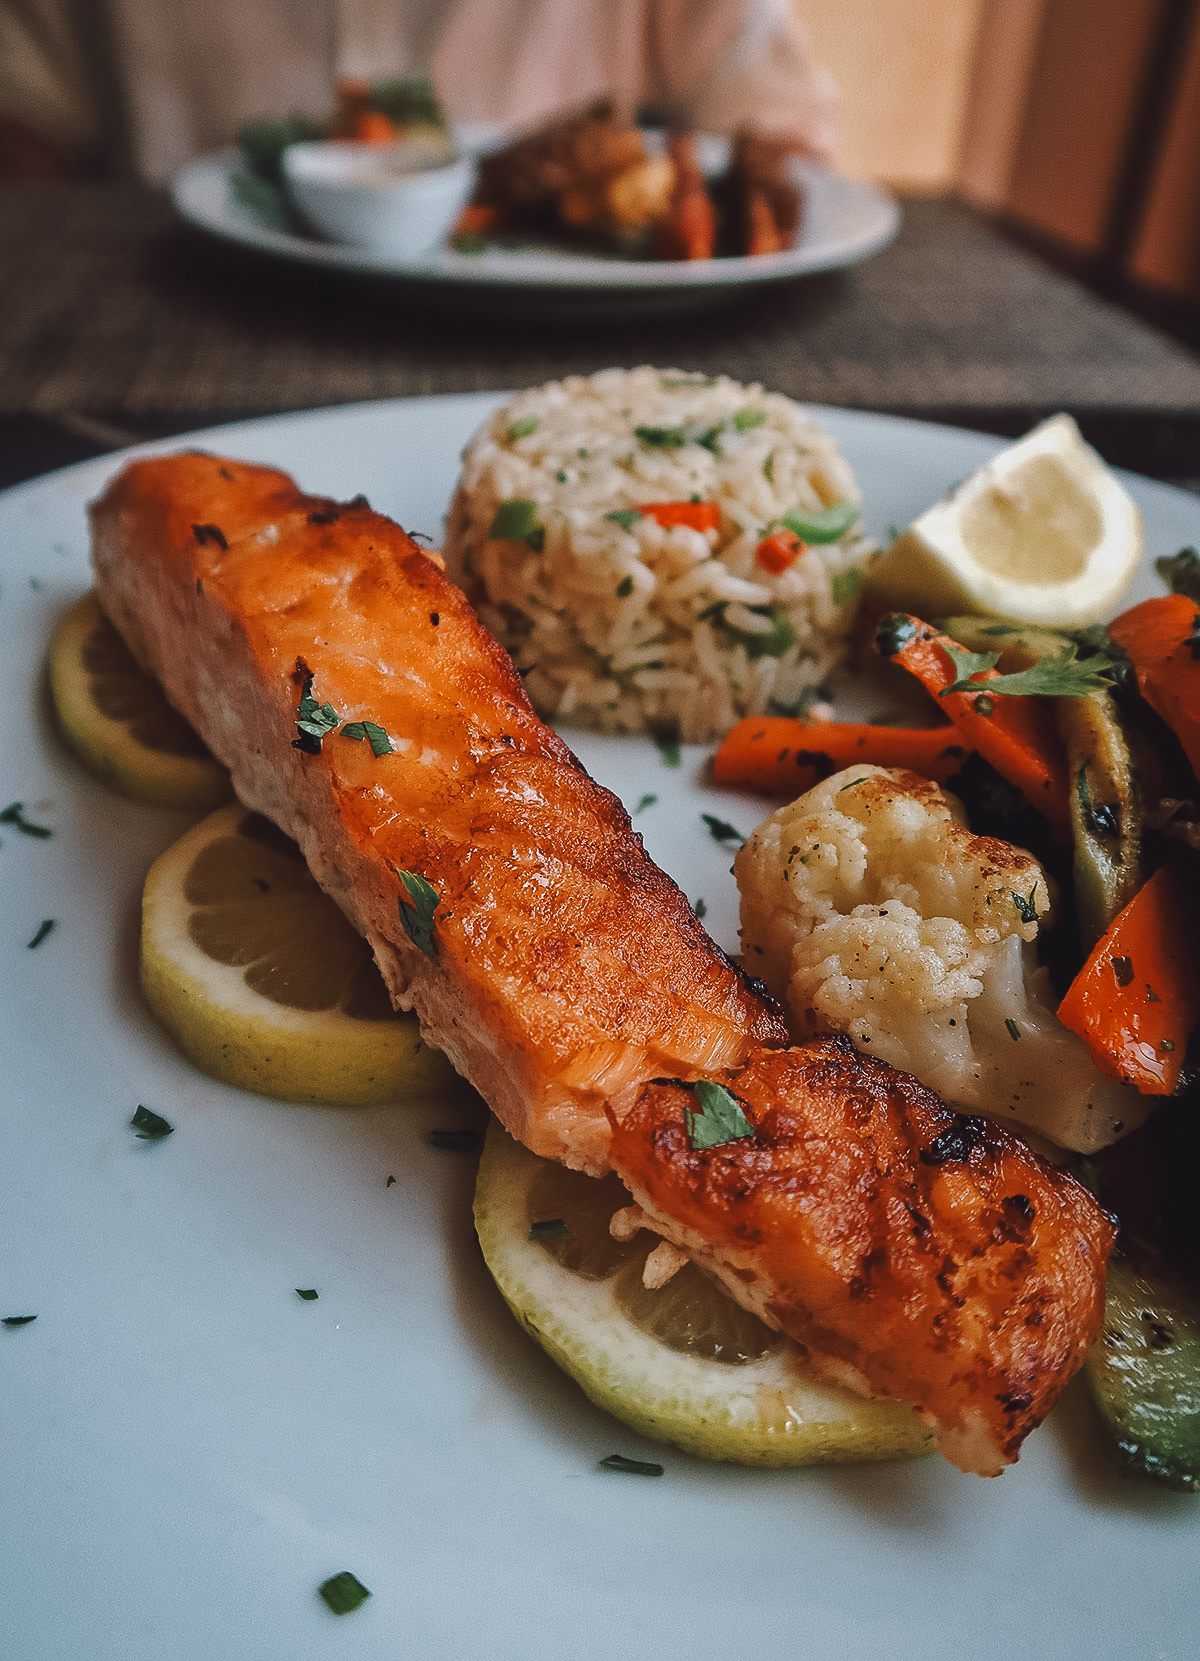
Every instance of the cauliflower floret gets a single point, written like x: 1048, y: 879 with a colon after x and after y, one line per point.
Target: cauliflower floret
x: 869, y: 908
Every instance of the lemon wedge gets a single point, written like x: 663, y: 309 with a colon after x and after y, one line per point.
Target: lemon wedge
x: 1043, y: 533
x: 681, y: 1364
x: 116, y: 719
x: 261, y: 980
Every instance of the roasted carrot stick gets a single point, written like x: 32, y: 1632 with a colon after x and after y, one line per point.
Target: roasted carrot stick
x: 1017, y: 735
x: 1162, y: 638
x: 776, y: 754
x: 1136, y: 1000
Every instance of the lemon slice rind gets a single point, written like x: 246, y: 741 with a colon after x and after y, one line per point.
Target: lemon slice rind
x: 242, y: 1038
x: 107, y: 746
x: 763, y: 1412
x: 1043, y: 533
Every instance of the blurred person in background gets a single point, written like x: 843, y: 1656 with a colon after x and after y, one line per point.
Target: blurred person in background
x: 95, y: 86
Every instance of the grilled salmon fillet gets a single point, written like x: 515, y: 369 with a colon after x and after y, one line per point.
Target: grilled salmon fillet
x: 563, y: 967
x: 357, y: 701
x: 913, y: 1251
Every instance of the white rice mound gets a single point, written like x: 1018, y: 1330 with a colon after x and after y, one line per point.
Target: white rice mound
x: 628, y: 626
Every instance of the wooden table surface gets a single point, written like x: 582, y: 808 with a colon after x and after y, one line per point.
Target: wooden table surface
x: 118, y: 322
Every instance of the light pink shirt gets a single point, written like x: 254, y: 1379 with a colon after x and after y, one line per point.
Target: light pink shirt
x: 194, y: 71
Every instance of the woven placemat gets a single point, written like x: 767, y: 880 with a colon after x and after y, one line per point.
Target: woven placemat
x: 110, y: 305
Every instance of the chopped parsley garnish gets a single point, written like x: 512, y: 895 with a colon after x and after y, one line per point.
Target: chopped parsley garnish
x: 717, y: 1119
x: 772, y: 642
x: 894, y: 632
x: 721, y: 831
x: 624, y: 588
x: 661, y: 438
x: 515, y: 520
x: 417, y: 917
x: 43, y: 929
x: 1012, y: 1029
x: 210, y: 533
x: 454, y: 1141
x: 17, y: 1320
x: 631, y: 1467
x: 522, y: 428
x: 701, y: 908
x: 381, y: 744
x: 846, y: 585
x: 850, y: 783
x: 308, y: 1293
x: 674, y: 438
x: 822, y: 524
x: 343, y: 1592
x: 14, y: 815
x: 1062, y: 676
x: 552, y: 1228
x: 314, y: 721
x: 645, y: 802
x: 1026, y: 904
x: 150, y: 1126
x: 744, y: 419
x: 625, y: 517
x: 666, y: 736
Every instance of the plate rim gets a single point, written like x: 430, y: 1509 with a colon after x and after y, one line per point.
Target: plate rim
x: 200, y: 190
x: 882, y: 1521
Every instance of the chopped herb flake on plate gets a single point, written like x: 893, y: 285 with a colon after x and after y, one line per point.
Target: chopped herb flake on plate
x: 150, y: 1126
x: 343, y: 1592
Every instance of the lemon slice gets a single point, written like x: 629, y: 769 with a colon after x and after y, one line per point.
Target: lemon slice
x: 1043, y: 533
x: 683, y: 1364
x: 261, y: 980
x: 118, y: 722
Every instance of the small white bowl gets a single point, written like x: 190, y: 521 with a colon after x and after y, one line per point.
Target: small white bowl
x: 399, y: 199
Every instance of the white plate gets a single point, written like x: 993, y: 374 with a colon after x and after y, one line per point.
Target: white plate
x: 189, y: 1449
x: 845, y: 220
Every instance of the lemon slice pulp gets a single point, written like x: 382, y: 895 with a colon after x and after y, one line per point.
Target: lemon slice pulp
x: 1043, y: 533
x: 261, y: 980
x: 116, y: 719
x: 682, y: 1364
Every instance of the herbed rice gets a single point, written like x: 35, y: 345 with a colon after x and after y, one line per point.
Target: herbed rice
x: 622, y: 624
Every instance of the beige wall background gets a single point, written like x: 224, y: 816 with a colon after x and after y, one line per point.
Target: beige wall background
x: 905, y: 71
x: 1032, y: 109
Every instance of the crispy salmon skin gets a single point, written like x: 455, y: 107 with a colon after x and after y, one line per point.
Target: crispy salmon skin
x: 563, y: 967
